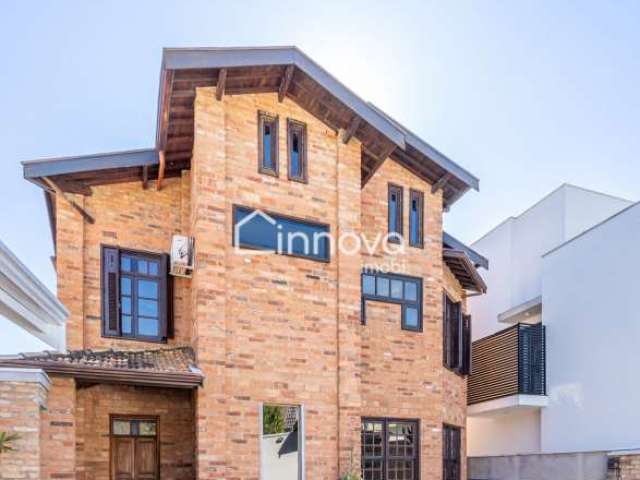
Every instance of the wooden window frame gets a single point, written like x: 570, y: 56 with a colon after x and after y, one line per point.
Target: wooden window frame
x: 461, y: 364
x: 112, y: 436
x: 385, y: 446
x: 301, y: 128
x: 263, y: 118
x: 418, y: 196
x: 389, y: 299
x: 447, y: 430
x: 399, y: 191
x: 165, y: 294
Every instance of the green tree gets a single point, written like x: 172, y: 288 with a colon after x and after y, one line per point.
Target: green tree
x: 272, y: 419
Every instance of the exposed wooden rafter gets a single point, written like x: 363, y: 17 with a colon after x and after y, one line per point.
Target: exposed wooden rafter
x: 221, y: 83
x: 286, y: 81
x: 145, y: 177
x: 379, y: 160
x: 161, y: 168
x: 59, y: 193
x: 440, y: 183
x: 351, y: 129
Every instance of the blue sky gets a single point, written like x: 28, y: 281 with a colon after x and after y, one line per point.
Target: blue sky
x: 525, y: 95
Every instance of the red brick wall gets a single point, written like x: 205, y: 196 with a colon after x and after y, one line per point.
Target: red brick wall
x: 20, y: 404
x: 173, y: 407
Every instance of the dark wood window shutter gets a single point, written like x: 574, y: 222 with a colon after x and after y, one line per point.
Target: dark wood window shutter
x: 466, y: 344
x: 165, y: 298
x: 110, y: 296
x: 445, y: 329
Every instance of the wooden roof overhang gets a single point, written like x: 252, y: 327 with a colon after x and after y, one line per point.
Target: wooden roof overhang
x: 112, y: 375
x: 464, y: 270
x: 235, y: 71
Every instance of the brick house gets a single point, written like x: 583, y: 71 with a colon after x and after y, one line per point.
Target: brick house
x: 308, y: 362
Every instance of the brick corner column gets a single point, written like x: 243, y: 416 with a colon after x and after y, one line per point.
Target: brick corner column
x: 349, y: 335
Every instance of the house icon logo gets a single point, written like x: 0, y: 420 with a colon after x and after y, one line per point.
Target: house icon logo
x: 256, y: 215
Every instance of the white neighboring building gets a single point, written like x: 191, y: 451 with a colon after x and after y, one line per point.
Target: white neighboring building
x: 569, y: 262
x: 28, y: 304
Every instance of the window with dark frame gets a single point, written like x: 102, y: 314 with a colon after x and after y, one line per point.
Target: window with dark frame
x: 395, y: 212
x: 416, y: 219
x: 451, y: 455
x: 297, y: 147
x: 267, y: 143
x: 456, y: 337
x: 282, y: 234
x: 135, y: 295
x: 390, y: 449
x: 393, y: 288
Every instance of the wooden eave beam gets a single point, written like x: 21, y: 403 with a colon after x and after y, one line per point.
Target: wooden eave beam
x: 285, y: 83
x: 58, y: 191
x: 161, y: 168
x: 145, y: 177
x: 351, y: 129
x: 222, y: 82
x: 379, y: 160
x: 442, y: 181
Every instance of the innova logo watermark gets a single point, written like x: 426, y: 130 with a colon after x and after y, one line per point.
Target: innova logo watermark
x: 259, y: 233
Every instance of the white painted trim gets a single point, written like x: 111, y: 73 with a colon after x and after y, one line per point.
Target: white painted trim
x: 507, y: 404
x: 624, y: 453
x: 25, y: 375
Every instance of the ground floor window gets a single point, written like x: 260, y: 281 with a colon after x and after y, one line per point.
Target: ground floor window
x: 451, y: 441
x: 281, y: 443
x: 390, y: 449
x: 134, y: 448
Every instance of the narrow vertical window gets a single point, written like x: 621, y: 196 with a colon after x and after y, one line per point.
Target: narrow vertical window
x: 281, y: 442
x: 395, y: 213
x: 267, y: 144
x: 416, y: 219
x: 451, y: 455
x: 297, y: 146
x: 456, y: 337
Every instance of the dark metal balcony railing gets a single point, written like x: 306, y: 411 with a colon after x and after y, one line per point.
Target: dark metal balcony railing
x: 509, y: 362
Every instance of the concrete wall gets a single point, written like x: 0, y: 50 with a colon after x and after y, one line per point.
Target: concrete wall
x: 517, y: 432
x: 590, y: 308
x: 578, y: 466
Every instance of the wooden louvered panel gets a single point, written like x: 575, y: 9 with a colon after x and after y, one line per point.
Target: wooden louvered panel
x: 494, y: 371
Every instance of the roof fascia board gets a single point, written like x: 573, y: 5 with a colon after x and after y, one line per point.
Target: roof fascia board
x: 175, y: 59
x: 104, y: 161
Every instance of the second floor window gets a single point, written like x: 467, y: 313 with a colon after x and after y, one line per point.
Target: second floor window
x: 456, y: 337
x: 297, y: 146
x: 416, y: 219
x: 255, y: 229
x: 267, y: 143
x: 395, y: 212
x: 135, y: 295
x: 400, y: 289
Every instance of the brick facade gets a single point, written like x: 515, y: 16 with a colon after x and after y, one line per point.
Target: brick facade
x: 266, y: 329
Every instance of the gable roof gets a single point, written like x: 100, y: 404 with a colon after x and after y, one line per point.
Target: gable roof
x: 285, y: 70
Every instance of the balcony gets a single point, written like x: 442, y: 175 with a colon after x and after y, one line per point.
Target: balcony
x: 508, y: 370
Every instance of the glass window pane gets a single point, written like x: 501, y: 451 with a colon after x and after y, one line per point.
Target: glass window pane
x: 126, y: 324
x: 259, y: 231
x: 125, y: 263
x: 146, y: 428
x: 142, y: 266
x: 382, y: 286
x: 410, y: 291
x: 125, y: 286
x: 300, y: 238
x: 368, y: 285
x: 148, y: 326
x: 147, y: 308
x: 393, y: 212
x: 121, y: 427
x: 411, y: 317
x: 153, y: 268
x: 148, y: 289
x: 266, y: 144
x: 396, y: 289
x: 126, y: 305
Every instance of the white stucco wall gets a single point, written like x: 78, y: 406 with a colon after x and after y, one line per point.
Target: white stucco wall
x: 590, y: 306
x: 517, y: 432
